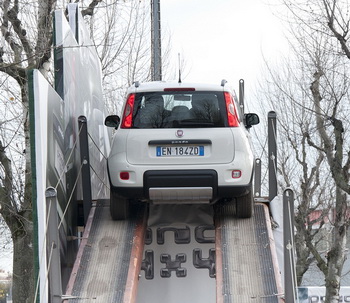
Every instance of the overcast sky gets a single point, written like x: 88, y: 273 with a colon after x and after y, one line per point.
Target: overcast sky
x: 222, y: 39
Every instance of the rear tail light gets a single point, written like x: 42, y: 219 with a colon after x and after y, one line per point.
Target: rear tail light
x: 124, y: 175
x: 128, y: 110
x: 232, y: 117
x: 236, y: 174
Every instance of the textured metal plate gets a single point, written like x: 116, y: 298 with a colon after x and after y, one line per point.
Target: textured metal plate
x: 105, y: 261
x: 248, y: 267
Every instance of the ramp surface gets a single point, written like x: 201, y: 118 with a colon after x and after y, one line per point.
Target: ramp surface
x: 249, y: 266
x: 179, y: 255
x: 104, y: 265
x: 187, y: 257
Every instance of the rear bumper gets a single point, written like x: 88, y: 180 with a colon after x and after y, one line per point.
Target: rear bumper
x: 171, y: 186
x: 182, y: 186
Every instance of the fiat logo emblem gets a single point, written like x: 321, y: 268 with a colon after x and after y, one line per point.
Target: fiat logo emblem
x: 179, y: 133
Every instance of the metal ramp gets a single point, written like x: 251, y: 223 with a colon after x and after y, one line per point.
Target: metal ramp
x: 101, y: 270
x: 249, y: 270
x: 109, y: 264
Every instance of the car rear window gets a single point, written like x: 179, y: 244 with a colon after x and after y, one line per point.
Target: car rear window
x: 179, y: 109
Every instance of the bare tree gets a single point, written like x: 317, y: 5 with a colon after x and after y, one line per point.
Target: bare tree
x: 314, y: 93
x: 27, y: 45
x: 299, y: 167
x: 124, y: 45
x: 120, y: 32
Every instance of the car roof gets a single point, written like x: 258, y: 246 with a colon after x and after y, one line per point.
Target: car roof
x: 161, y: 85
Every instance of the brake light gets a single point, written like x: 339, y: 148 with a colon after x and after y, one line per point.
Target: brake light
x: 129, y: 108
x: 232, y: 116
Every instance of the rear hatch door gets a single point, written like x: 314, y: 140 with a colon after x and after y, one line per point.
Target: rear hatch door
x: 185, y: 146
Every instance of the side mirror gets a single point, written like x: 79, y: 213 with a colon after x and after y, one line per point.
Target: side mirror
x: 112, y: 121
x: 251, y: 119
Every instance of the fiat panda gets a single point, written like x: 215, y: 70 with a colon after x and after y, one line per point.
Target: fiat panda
x: 181, y: 143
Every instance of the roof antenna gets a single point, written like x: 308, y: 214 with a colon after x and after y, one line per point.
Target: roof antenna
x: 179, y: 68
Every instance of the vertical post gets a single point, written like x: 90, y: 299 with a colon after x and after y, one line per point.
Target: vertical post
x: 53, y: 247
x: 272, y: 150
x: 156, y: 48
x: 241, y: 95
x: 288, y: 244
x: 85, y: 172
x: 257, y: 178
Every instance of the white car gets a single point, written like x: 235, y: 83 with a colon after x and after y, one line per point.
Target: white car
x: 181, y: 143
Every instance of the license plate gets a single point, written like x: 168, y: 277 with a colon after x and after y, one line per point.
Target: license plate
x: 178, y: 151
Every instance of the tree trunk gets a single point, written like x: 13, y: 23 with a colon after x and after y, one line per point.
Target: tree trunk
x: 302, y: 265
x: 23, y: 281
x: 336, y: 256
x: 18, y: 216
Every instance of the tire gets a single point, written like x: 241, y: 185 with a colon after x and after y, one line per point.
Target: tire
x: 245, y: 205
x: 119, y: 207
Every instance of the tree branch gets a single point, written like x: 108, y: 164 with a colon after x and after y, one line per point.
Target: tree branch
x: 44, y: 28
x: 330, y: 11
x: 6, y: 185
x: 89, y: 11
x: 334, y: 158
x: 12, y: 15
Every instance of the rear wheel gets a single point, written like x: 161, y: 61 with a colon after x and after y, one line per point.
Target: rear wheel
x: 119, y: 206
x: 245, y: 205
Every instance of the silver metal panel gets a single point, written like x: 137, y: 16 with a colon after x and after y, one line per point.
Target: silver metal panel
x: 105, y: 262
x: 248, y: 267
x: 181, y: 195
